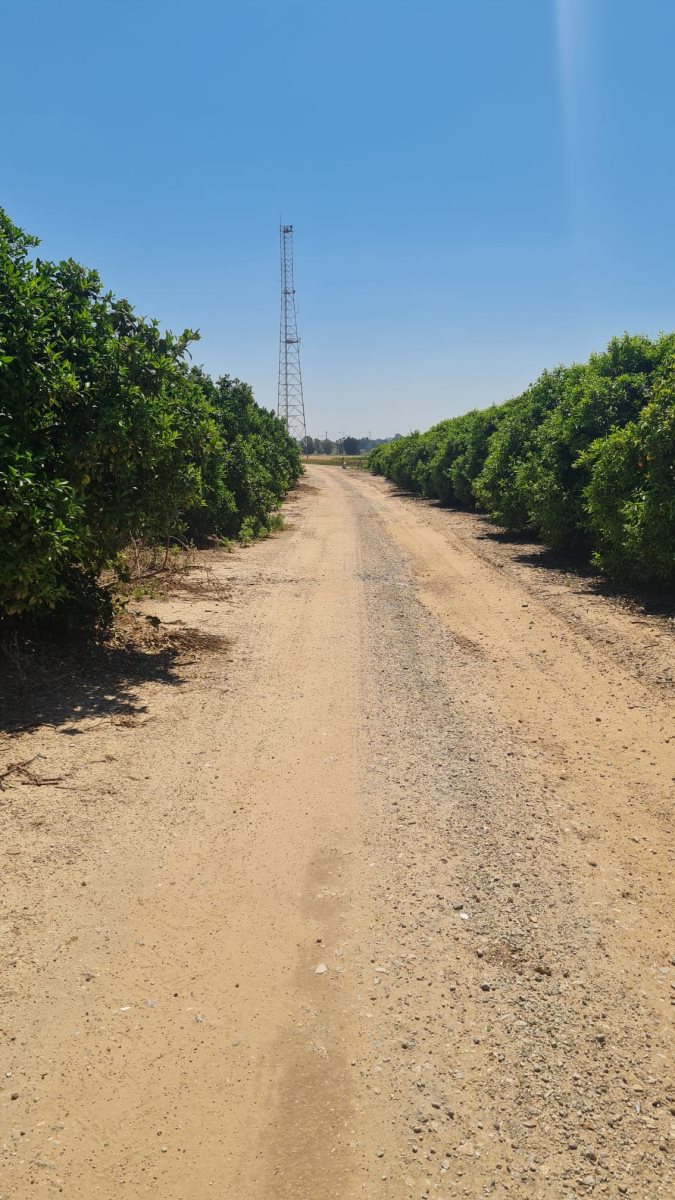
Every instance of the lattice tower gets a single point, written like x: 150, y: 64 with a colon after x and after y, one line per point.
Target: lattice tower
x: 291, y: 403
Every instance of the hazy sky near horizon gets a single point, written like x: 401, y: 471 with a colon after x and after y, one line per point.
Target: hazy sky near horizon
x: 479, y: 188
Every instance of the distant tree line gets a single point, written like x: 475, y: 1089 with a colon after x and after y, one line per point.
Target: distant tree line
x: 342, y: 445
x: 584, y: 460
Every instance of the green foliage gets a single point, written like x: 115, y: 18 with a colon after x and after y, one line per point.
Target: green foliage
x: 460, y: 457
x: 630, y: 496
x: 40, y: 528
x: 605, y: 395
x: 261, y: 461
x: 584, y: 458
x: 399, y: 460
x: 106, y: 433
x: 428, y: 447
x: 499, y: 486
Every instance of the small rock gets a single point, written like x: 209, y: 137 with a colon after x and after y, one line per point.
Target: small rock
x: 320, y: 969
x: 485, y: 987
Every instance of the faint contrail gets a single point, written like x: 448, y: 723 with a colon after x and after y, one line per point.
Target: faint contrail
x: 575, y: 81
x: 572, y: 39
x: 567, y: 21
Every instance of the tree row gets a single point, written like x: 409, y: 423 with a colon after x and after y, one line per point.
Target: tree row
x: 584, y: 459
x: 107, y: 433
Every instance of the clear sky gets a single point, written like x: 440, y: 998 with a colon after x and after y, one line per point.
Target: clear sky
x: 479, y: 188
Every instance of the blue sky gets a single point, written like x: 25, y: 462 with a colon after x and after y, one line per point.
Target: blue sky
x: 479, y: 188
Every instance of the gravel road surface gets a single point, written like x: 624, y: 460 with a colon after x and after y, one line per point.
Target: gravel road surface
x: 366, y: 893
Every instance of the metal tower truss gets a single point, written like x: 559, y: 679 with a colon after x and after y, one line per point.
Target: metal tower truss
x: 291, y: 403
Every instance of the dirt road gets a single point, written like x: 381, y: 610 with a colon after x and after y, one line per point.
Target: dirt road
x: 366, y: 894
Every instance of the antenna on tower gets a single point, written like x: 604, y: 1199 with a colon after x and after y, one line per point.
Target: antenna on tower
x: 291, y: 403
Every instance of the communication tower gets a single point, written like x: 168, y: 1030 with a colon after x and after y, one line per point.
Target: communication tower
x: 291, y: 404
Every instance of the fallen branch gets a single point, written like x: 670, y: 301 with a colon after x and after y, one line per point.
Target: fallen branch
x: 26, y: 776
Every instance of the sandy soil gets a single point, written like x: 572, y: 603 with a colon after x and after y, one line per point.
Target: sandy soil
x: 365, y: 892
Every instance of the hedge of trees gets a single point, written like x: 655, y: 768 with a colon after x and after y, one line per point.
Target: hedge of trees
x: 108, y: 433
x: 584, y: 459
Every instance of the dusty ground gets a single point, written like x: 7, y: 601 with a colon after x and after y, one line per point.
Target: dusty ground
x: 395, y: 748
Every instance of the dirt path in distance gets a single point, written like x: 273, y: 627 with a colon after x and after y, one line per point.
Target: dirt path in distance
x: 366, y: 893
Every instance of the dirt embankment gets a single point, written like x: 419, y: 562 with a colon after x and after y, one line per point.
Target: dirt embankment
x: 366, y: 891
